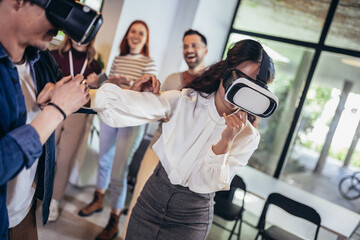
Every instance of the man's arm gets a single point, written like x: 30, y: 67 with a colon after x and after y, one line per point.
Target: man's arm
x: 18, y: 148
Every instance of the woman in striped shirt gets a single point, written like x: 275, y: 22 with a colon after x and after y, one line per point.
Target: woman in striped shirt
x: 118, y: 145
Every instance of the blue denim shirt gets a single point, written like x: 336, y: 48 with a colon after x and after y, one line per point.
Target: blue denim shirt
x: 19, y: 142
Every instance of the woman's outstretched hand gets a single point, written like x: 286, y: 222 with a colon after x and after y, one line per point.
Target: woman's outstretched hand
x: 120, y: 80
x: 146, y: 83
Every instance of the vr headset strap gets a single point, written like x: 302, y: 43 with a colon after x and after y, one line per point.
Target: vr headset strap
x: 227, y: 81
x: 43, y: 3
x: 264, y: 69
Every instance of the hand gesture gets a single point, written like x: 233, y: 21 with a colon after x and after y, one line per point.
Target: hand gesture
x: 93, y: 80
x: 234, y: 124
x: 120, y: 80
x: 147, y: 83
x: 71, y: 93
x: 45, y: 95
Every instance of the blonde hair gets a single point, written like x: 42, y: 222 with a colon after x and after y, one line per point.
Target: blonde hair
x: 65, y: 46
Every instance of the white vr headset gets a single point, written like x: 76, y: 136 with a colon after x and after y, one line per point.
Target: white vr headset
x: 248, y: 94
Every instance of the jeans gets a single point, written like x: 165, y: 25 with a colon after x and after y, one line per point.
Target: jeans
x: 117, y: 148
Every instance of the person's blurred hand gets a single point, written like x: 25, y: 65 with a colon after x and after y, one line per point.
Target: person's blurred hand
x: 146, y: 83
x: 71, y: 93
x: 93, y: 80
x: 45, y: 95
x: 120, y: 80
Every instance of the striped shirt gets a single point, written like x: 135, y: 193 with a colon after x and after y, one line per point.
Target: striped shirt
x: 133, y: 66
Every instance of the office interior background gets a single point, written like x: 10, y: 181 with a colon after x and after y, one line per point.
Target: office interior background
x: 311, y: 142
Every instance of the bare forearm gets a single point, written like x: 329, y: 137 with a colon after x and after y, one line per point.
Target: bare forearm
x: 46, y: 122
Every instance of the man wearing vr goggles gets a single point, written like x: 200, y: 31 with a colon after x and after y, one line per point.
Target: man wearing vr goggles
x: 32, y: 106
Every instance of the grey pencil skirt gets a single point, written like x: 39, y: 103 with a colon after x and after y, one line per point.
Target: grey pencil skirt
x: 165, y: 211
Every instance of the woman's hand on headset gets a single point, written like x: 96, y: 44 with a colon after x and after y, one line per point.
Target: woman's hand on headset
x: 235, y: 123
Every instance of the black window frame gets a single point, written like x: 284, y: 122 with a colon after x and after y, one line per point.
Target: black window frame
x: 319, y: 47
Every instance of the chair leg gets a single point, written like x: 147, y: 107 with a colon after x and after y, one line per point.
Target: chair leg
x: 257, y: 235
x: 240, y: 223
x: 233, y: 229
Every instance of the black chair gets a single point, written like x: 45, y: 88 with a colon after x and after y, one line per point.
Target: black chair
x: 292, y: 207
x: 225, y: 209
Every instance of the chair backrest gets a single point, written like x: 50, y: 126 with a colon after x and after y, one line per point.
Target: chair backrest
x: 236, y: 183
x: 292, y: 207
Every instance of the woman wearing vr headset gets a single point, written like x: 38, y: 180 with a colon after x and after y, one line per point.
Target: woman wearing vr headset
x: 118, y: 145
x: 204, y: 143
x: 72, y: 59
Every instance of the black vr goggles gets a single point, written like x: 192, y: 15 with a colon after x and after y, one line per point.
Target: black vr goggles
x: 249, y: 94
x: 77, y: 20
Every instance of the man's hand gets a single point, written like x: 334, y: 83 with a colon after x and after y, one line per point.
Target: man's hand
x: 71, y: 93
x: 68, y: 95
x: 146, y: 83
x: 45, y: 95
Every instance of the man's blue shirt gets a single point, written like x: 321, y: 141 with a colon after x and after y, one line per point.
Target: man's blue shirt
x: 19, y: 142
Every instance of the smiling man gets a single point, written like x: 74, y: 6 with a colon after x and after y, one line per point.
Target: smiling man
x: 194, y: 52
x: 31, y: 107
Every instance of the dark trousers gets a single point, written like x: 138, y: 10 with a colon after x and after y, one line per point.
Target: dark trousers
x: 26, y: 230
x: 166, y: 211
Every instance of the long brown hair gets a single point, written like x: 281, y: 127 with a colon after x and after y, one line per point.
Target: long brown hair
x: 124, y: 45
x: 242, y: 51
x: 65, y: 46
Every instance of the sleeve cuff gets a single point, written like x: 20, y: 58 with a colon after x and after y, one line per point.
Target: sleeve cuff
x: 220, y: 160
x: 213, y: 158
x: 92, y: 94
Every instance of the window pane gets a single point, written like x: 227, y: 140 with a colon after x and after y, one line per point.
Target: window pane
x: 290, y: 19
x: 291, y: 69
x: 327, y: 129
x: 94, y: 4
x: 345, y: 27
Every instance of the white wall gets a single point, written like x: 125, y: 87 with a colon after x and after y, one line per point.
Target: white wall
x: 213, y: 19
x: 104, y: 39
x: 158, y: 15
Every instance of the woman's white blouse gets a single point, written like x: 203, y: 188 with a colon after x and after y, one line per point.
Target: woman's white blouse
x: 185, y: 146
